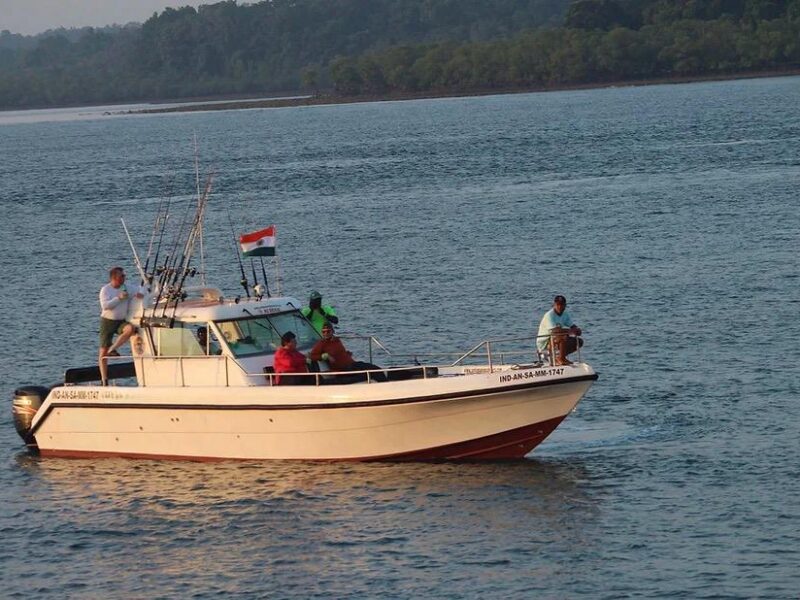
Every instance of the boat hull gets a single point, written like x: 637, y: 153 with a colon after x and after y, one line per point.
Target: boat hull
x: 479, y: 417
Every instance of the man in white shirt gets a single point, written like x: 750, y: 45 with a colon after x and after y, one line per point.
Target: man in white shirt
x: 558, y: 333
x: 114, y: 305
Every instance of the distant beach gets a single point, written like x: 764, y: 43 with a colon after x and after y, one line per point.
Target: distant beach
x: 330, y: 98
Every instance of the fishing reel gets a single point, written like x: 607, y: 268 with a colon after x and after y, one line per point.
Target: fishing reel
x: 165, y: 273
x: 173, y: 294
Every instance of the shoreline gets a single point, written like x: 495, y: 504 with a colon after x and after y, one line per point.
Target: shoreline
x: 322, y: 99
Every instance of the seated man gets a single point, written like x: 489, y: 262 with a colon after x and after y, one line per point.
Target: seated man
x: 331, y: 350
x: 209, y: 347
x: 557, y: 333
x: 289, y: 360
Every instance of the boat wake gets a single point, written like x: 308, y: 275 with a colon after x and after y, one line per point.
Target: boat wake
x: 575, y: 435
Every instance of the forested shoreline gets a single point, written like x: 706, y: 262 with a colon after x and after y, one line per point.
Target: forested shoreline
x: 372, y: 48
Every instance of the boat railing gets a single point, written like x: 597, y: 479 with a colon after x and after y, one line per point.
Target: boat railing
x: 360, y: 376
x: 371, y: 340
x: 495, y: 355
x: 491, y: 352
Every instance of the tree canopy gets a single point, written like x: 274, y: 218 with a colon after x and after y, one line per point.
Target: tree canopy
x: 378, y: 46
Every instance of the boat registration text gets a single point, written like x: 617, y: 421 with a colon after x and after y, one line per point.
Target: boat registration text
x: 506, y: 377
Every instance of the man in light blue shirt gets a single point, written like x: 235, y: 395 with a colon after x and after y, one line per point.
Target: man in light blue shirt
x: 557, y: 328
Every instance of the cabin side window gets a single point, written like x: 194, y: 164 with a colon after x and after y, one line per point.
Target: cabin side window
x: 177, y: 341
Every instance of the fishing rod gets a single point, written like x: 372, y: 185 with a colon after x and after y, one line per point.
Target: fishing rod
x: 253, y: 267
x: 170, y: 262
x: 150, y: 244
x: 171, y: 268
x: 160, y: 240
x: 133, y: 249
x: 197, y: 184
x: 195, y: 233
x: 175, y: 291
x: 264, y: 273
x: 243, y: 282
x: 158, y: 229
x: 152, y: 239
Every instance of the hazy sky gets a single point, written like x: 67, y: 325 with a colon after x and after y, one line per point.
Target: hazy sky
x: 35, y: 16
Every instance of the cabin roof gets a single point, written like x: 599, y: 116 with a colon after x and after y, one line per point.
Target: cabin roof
x: 209, y: 304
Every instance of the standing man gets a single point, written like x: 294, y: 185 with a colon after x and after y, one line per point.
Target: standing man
x: 557, y: 332
x: 317, y: 314
x: 114, y: 305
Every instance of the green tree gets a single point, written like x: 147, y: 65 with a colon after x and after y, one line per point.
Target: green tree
x: 345, y: 77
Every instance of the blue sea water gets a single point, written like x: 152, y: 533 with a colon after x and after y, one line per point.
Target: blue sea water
x: 666, y: 214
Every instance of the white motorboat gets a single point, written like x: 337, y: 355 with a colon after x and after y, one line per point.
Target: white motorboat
x: 218, y: 401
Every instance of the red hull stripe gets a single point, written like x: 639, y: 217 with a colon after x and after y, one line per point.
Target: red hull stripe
x: 512, y: 444
x: 515, y: 443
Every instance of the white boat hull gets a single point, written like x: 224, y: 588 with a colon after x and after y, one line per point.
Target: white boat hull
x: 495, y: 415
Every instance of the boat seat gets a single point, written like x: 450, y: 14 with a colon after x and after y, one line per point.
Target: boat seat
x: 413, y: 373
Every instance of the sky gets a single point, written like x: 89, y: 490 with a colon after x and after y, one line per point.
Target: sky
x: 34, y: 16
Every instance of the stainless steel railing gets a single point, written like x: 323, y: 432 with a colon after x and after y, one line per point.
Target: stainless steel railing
x: 491, y: 351
x: 371, y: 341
x: 541, y: 356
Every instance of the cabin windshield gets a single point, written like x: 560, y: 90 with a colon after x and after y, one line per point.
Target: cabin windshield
x: 250, y: 336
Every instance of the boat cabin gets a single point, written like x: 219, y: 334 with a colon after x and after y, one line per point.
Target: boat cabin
x: 213, y: 341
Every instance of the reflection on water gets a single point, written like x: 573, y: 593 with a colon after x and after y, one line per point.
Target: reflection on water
x: 178, y: 483
x: 312, y: 518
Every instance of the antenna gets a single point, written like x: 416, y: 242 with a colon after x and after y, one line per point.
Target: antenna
x: 197, y: 183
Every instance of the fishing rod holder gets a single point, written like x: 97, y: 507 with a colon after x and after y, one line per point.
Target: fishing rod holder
x: 163, y: 322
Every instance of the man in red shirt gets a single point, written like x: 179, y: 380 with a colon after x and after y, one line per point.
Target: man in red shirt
x: 331, y: 350
x: 289, y: 360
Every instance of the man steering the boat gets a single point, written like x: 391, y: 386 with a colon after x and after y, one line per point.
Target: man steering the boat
x: 558, y: 334
x: 317, y: 314
x: 114, y: 305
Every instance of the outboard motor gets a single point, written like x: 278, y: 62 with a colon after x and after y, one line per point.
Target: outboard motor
x: 27, y: 401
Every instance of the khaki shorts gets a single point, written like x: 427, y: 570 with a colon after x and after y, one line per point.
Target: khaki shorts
x: 108, y: 329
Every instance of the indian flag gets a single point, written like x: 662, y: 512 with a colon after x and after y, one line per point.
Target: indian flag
x: 259, y: 243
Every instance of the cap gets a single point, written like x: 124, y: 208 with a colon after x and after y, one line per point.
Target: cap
x: 315, y: 295
x: 327, y: 325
